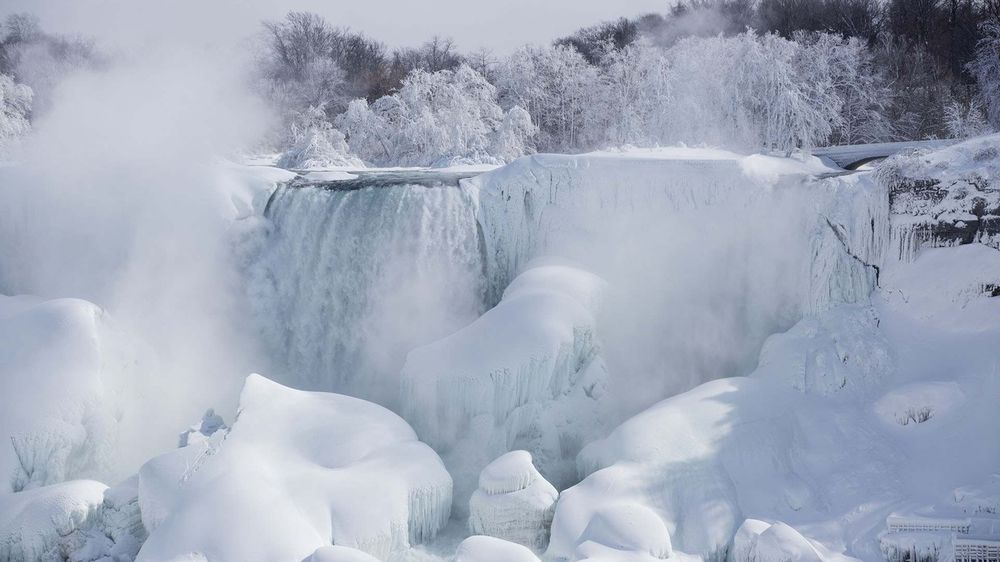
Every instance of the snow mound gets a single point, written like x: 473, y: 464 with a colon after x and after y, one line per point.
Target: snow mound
x: 302, y: 470
x: 339, y: 554
x: 781, y: 543
x: 627, y: 528
x: 490, y: 549
x: 513, y: 502
x: 526, y: 375
x: 840, y: 350
x: 63, y: 370
x: 36, y: 524
x: 921, y: 402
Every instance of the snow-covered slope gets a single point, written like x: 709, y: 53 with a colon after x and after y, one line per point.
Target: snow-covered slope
x: 820, y: 436
x: 298, y: 470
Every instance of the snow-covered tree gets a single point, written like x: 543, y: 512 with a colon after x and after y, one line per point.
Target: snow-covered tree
x: 15, y: 109
x: 986, y: 68
x: 559, y: 89
x: 436, y: 119
x: 637, y: 95
x: 965, y: 120
x: 315, y: 143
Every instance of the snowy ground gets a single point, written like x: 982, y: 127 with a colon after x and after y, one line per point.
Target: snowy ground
x: 693, y: 355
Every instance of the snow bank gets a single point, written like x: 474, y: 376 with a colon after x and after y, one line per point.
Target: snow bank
x: 38, y: 524
x: 513, y: 502
x: 490, y: 549
x: 65, y: 371
x: 297, y: 471
x: 526, y: 375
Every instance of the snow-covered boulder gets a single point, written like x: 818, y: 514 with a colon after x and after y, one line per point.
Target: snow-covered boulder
x: 491, y: 549
x: 513, y: 502
x: 527, y: 374
x: 624, y: 528
x: 840, y: 350
x: 64, y: 369
x: 39, y: 524
x: 781, y: 543
x: 297, y: 471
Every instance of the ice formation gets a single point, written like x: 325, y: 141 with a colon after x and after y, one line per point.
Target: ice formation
x: 706, y: 252
x: 40, y: 524
x: 491, y: 549
x: 66, y: 372
x: 513, y: 502
x: 526, y: 375
x: 302, y: 470
x: 346, y: 280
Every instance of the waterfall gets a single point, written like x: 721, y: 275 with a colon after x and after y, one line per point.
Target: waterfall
x: 347, y: 277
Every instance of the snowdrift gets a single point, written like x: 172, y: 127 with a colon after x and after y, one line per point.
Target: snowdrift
x: 297, y: 471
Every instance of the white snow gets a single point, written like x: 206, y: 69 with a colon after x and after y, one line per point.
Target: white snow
x: 490, y: 549
x: 297, y: 471
x: 66, y: 372
x: 513, y: 502
x: 527, y: 374
x: 36, y: 524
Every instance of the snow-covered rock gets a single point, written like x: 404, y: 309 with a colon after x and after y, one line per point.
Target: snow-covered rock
x: 491, y: 549
x: 526, y: 375
x: 39, y: 524
x: 781, y: 543
x: 339, y: 554
x: 624, y: 528
x: 297, y: 471
x: 65, y: 370
x: 944, y: 197
x: 513, y: 502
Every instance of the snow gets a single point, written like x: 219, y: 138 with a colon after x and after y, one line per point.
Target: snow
x: 301, y: 470
x: 339, y: 554
x: 526, y: 374
x: 513, y: 502
x: 489, y: 549
x: 35, y: 524
x: 66, y: 372
x: 625, y: 527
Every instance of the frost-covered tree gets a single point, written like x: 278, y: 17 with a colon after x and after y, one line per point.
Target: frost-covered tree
x: 560, y: 89
x: 965, y: 120
x: 437, y: 118
x: 15, y: 108
x: 637, y: 95
x: 315, y: 143
x: 985, y: 66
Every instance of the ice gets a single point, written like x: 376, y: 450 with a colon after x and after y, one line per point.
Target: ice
x: 526, y: 375
x: 706, y: 252
x: 66, y: 372
x: 513, y: 502
x: 298, y: 470
x: 344, y: 282
x: 625, y: 527
x: 37, y: 524
x: 490, y: 549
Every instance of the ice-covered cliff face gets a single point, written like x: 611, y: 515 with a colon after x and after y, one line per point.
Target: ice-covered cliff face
x: 346, y: 278
x: 706, y: 253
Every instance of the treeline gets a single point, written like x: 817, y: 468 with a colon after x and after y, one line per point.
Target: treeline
x: 748, y: 74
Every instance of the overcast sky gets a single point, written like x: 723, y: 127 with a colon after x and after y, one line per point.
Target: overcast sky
x: 500, y: 25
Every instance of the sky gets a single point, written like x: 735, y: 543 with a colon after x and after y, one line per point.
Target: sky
x: 499, y: 25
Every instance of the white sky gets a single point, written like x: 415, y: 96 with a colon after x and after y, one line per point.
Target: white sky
x: 500, y: 25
